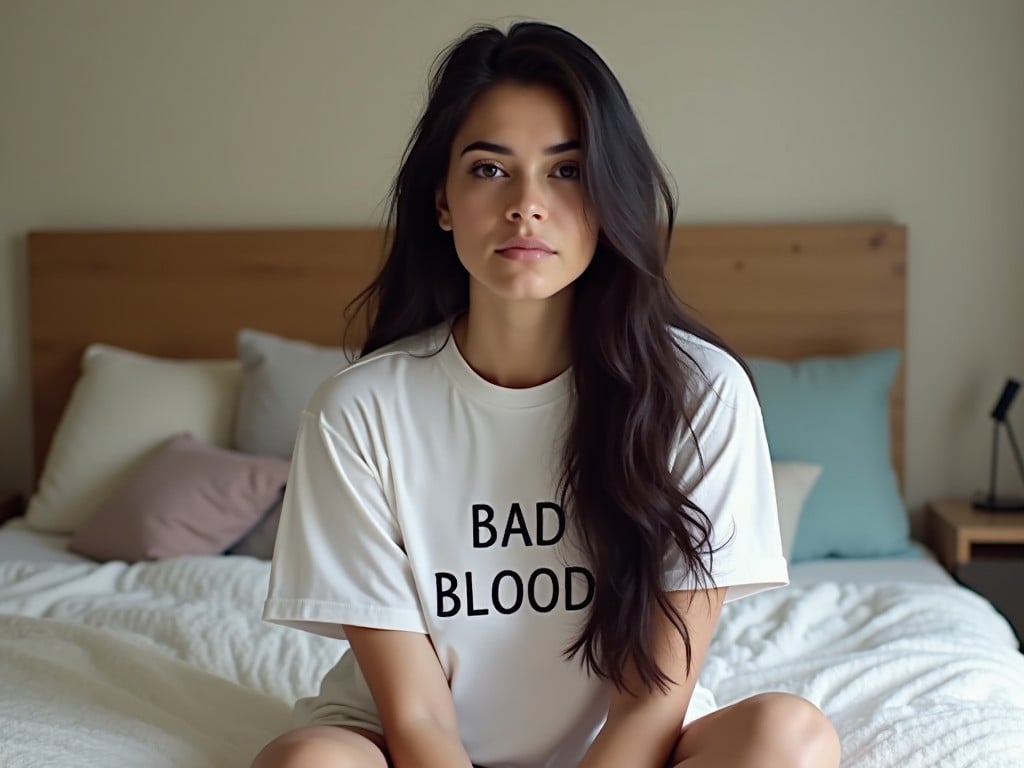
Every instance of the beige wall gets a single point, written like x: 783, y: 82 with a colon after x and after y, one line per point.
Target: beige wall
x: 138, y: 113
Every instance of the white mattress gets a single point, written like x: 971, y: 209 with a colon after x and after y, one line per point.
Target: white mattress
x: 19, y: 542
x: 919, y: 568
x: 168, y: 664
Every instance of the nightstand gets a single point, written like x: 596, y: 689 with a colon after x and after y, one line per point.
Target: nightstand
x: 983, y: 551
x: 11, y: 505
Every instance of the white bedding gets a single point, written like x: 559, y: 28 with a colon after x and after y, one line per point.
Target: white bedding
x: 168, y: 664
x: 19, y: 542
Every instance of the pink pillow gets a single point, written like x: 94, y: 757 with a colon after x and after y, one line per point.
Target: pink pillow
x: 185, y: 498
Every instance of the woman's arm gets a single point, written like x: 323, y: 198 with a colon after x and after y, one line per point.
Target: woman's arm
x: 412, y: 697
x: 641, y: 731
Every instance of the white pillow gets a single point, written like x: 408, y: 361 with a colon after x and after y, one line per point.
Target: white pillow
x: 794, y: 481
x: 125, y: 404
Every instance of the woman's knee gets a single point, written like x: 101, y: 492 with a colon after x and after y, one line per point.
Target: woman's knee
x: 794, y: 727
x: 320, y: 746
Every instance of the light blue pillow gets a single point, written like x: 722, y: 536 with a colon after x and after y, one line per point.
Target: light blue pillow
x: 834, y: 411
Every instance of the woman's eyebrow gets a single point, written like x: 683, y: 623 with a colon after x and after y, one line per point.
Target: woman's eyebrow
x: 499, y: 149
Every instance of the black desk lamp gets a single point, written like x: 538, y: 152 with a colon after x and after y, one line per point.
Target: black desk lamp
x: 990, y: 502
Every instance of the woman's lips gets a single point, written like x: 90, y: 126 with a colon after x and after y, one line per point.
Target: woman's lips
x: 524, y: 254
x: 521, y: 248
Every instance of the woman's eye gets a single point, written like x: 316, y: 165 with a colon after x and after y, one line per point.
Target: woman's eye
x: 486, y: 170
x: 568, y: 171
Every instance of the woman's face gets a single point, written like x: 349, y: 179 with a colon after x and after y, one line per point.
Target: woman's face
x: 513, y: 177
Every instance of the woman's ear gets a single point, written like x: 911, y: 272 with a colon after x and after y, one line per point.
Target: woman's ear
x: 444, y: 216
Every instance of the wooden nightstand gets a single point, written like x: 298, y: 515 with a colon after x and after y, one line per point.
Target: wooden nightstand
x: 11, y: 505
x: 983, y: 551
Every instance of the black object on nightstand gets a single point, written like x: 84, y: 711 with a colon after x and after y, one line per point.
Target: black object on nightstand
x: 990, y: 501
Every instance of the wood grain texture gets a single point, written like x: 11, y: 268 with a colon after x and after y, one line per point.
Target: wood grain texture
x: 773, y: 290
x: 956, y: 529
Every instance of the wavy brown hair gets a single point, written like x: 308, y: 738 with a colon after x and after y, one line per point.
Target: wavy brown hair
x: 630, y: 376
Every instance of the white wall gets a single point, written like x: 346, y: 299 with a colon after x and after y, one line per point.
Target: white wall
x: 139, y: 113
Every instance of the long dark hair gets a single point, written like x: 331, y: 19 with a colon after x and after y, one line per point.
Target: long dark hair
x: 630, y: 376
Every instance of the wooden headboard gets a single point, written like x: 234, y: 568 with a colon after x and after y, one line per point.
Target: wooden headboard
x: 777, y: 290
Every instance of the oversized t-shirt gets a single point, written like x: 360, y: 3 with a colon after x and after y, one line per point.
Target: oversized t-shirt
x: 424, y: 498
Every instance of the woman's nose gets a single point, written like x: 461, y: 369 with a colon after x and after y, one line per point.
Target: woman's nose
x: 529, y: 203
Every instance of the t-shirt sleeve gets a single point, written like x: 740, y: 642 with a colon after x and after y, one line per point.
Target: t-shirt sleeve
x: 339, y: 556
x: 734, y: 488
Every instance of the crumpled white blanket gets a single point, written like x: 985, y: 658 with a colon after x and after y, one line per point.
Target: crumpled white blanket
x: 168, y: 664
x: 911, y: 675
x: 155, y: 664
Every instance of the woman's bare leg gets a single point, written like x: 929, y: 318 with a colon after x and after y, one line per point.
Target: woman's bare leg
x: 770, y: 730
x: 324, y: 746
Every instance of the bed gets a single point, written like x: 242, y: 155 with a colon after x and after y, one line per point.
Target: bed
x: 123, y: 645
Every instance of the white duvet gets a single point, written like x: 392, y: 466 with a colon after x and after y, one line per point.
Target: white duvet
x: 168, y: 664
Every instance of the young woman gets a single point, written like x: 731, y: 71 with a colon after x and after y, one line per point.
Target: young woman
x: 526, y: 502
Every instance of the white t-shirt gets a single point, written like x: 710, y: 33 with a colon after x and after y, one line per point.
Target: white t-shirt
x: 423, y: 498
